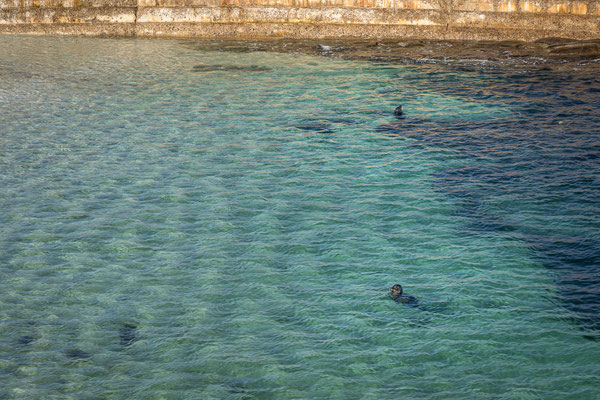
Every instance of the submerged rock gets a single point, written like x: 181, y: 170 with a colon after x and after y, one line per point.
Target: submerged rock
x: 323, y: 47
x: 588, y: 48
x: 553, y: 40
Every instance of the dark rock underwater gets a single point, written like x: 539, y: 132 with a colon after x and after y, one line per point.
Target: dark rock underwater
x: 540, y: 156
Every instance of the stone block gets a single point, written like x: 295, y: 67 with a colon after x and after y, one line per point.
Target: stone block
x: 180, y: 3
x: 6, y: 4
x: 579, y: 8
x: 485, y: 5
x: 103, y: 3
x: 414, y: 5
x: 507, y: 6
x: 561, y: 8
x: 530, y: 6
x: 382, y: 4
x: 476, y: 5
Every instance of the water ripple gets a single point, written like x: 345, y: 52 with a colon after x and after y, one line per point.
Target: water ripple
x: 232, y: 230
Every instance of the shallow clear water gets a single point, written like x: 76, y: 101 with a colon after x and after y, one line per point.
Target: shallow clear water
x: 180, y: 222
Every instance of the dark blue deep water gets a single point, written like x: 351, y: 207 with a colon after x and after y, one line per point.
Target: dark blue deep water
x: 207, y: 221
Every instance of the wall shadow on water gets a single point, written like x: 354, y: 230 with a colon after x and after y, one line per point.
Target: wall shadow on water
x: 534, y: 175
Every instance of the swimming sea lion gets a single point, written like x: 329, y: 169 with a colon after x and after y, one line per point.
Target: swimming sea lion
x: 77, y: 354
x: 396, y: 294
x: 127, y: 334
x: 25, y: 340
x: 398, y: 111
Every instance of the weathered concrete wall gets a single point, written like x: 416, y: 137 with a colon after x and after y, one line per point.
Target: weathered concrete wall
x: 431, y: 19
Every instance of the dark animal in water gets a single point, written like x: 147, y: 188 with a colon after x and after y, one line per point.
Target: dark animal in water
x: 315, y: 127
x: 398, y: 111
x: 25, y: 340
x: 222, y: 67
x: 76, y: 353
x: 397, y: 294
x: 127, y: 334
x: 323, y: 125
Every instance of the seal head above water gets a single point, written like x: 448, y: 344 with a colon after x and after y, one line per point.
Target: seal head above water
x: 397, y: 294
x: 398, y: 111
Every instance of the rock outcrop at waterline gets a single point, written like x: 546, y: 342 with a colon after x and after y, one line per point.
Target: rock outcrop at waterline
x: 254, y: 19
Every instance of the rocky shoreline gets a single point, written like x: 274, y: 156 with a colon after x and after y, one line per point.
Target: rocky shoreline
x: 558, y: 52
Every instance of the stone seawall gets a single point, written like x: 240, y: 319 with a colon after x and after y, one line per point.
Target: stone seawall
x: 255, y: 19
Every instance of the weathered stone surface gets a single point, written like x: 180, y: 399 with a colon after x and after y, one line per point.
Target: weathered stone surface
x: 68, y: 16
x: 287, y: 15
x: 561, y: 8
x: 579, y: 8
x: 507, y: 6
x: 57, y: 4
x: 531, y: 6
x: 476, y: 5
x: 97, y: 29
x: 432, y: 19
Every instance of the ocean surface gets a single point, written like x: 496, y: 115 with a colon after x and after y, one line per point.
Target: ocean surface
x: 203, y: 220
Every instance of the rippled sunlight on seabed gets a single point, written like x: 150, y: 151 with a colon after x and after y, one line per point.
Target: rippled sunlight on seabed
x: 188, y: 220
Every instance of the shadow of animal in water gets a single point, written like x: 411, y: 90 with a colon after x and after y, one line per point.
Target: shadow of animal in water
x: 229, y: 68
x: 424, y: 313
x: 316, y: 127
x: 323, y: 125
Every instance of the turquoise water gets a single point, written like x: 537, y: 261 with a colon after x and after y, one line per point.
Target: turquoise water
x: 179, y: 222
